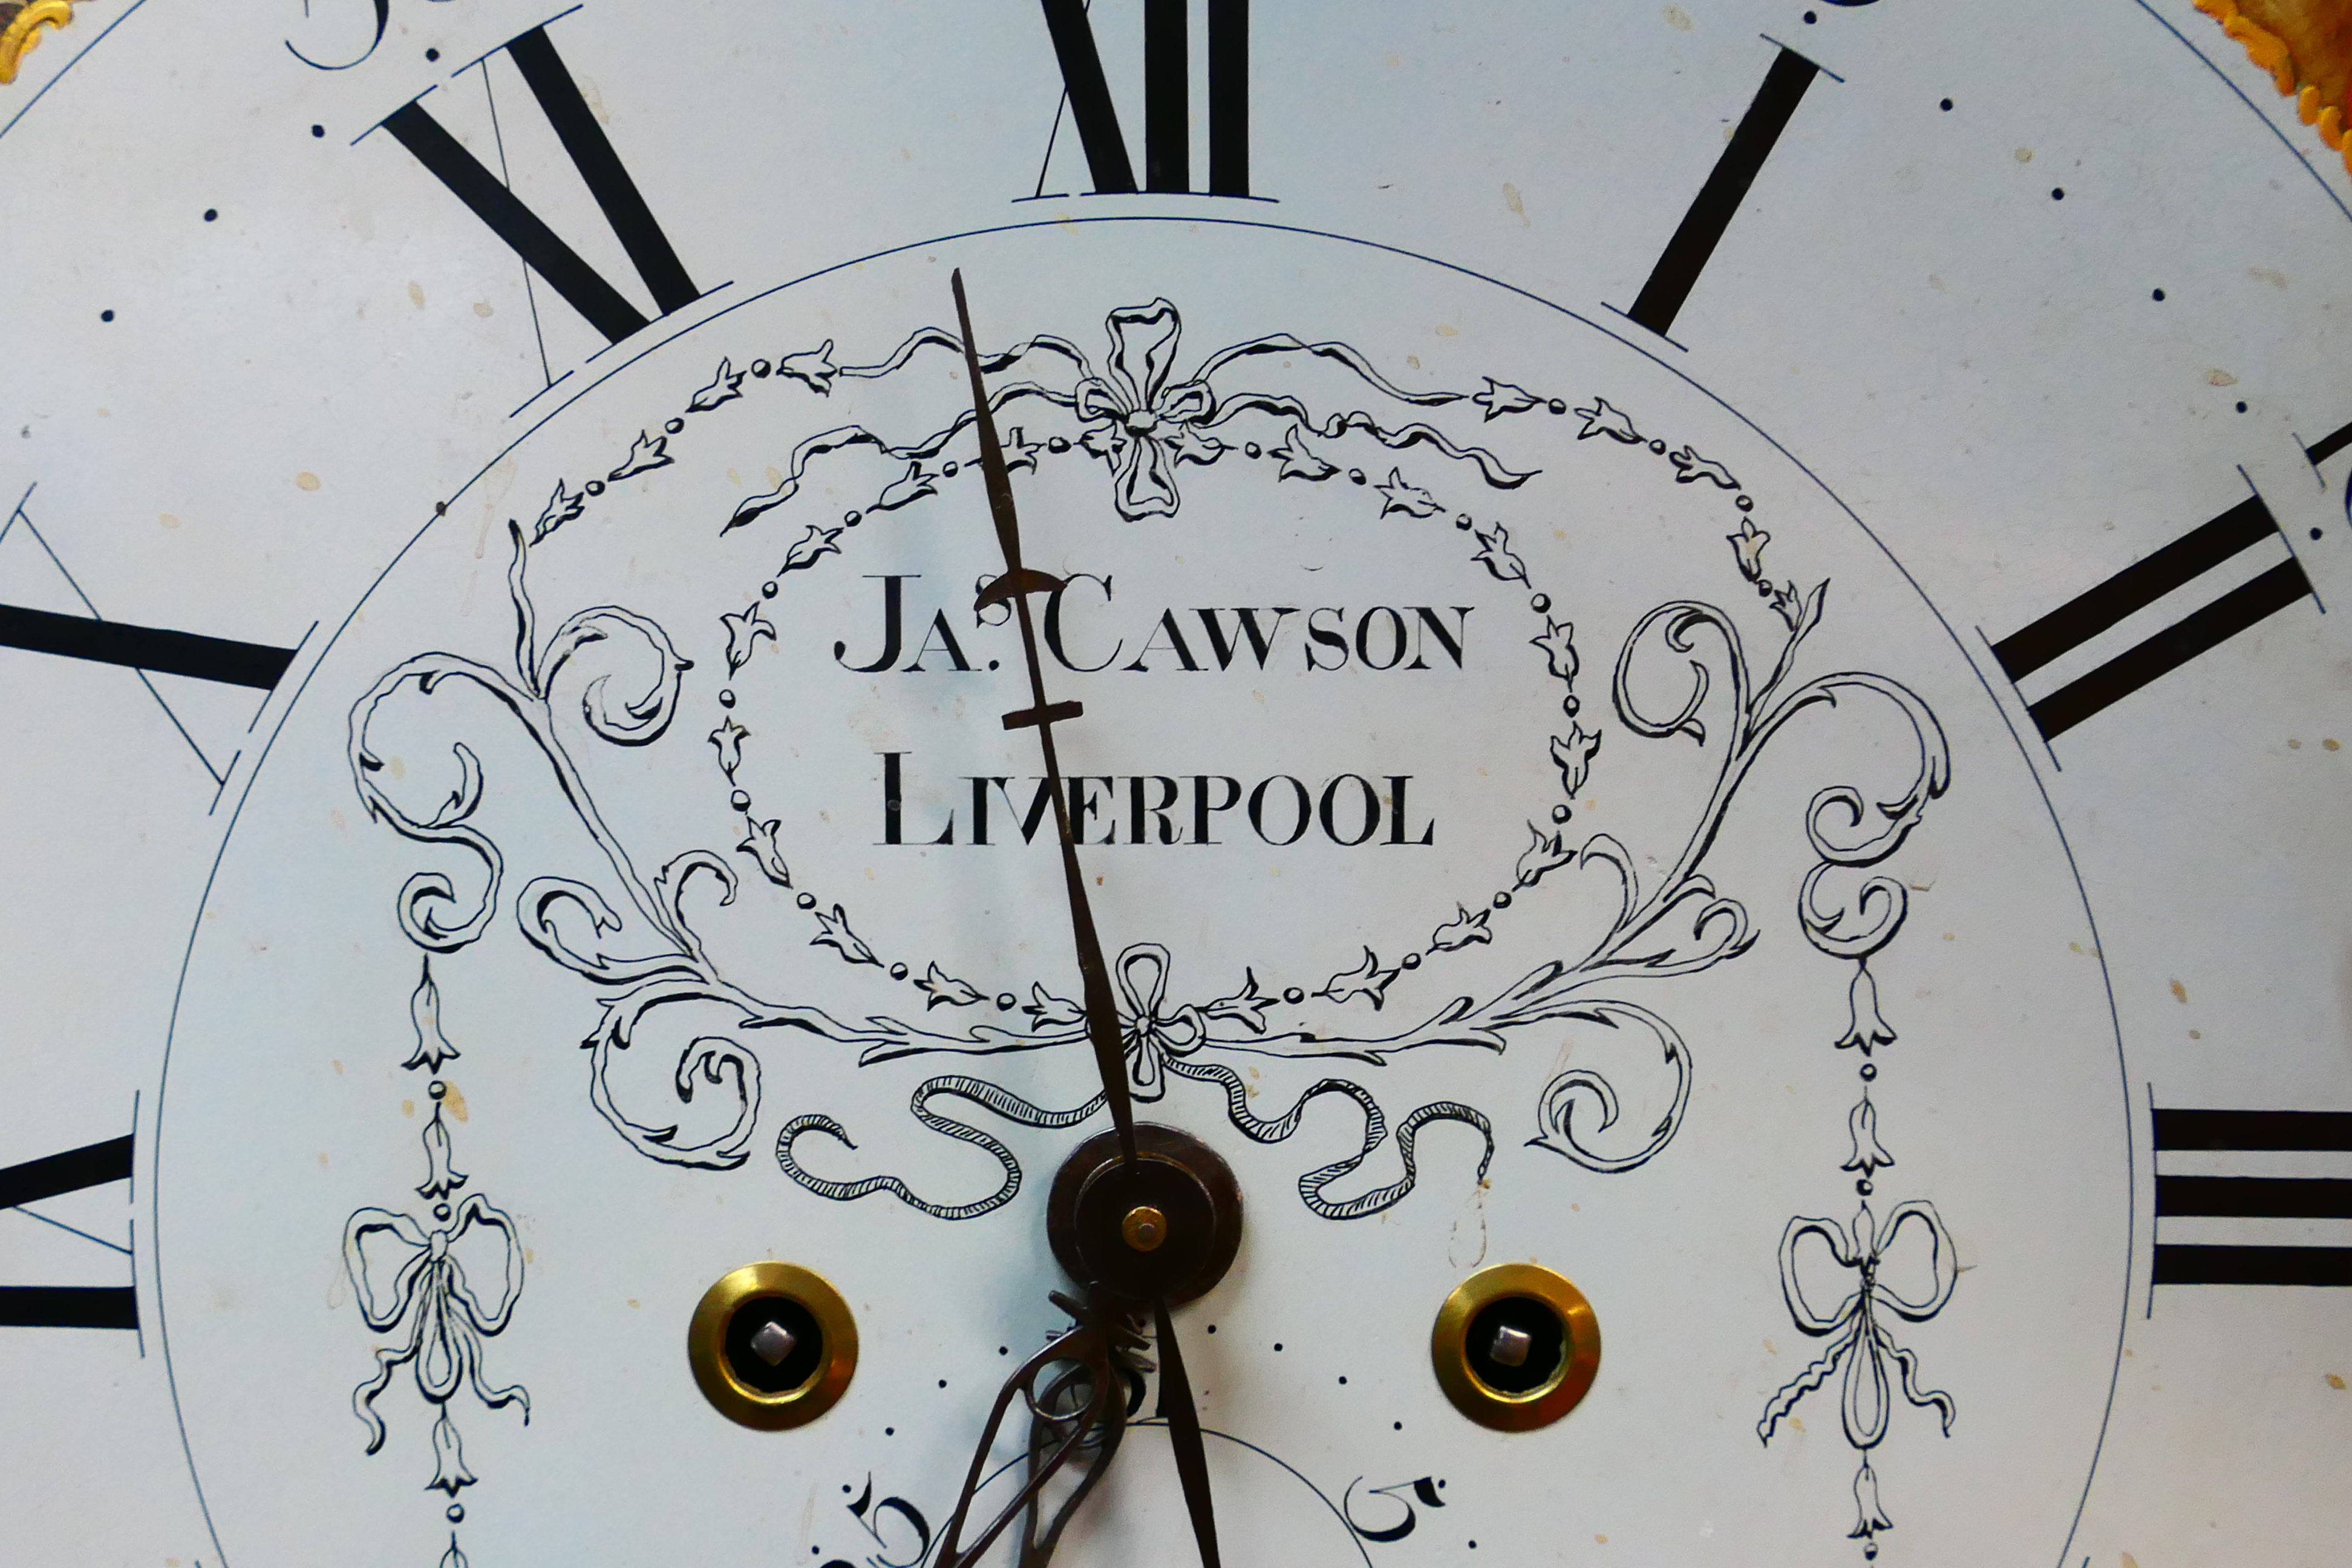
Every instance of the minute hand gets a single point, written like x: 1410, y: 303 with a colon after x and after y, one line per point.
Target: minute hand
x: 1017, y: 584
x: 1102, y: 1014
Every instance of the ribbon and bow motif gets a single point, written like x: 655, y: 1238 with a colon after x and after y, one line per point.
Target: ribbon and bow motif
x: 1153, y: 1037
x: 1139, y: 423
x: 1159, y: 1042
x: 1858, y: 1341
x: 408, y: 1274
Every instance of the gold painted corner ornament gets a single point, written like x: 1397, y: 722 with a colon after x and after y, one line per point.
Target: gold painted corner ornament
x: 21, y: 22
x: 2307, y: 45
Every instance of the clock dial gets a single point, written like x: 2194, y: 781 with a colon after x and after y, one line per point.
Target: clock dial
x: 1515, y: 796
x: 1691, y: 666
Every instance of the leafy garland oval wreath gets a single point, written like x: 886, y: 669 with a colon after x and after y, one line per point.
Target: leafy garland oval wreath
x: 1143, y: 423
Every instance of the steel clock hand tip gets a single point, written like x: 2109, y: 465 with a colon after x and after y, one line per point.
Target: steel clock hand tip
x: 1184, y: 1436
x: 1017, y: 584
x: 994, y: 474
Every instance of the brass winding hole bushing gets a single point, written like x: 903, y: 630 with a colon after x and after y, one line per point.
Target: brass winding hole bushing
x: 772, y: 1345
x: 1515, y: 1347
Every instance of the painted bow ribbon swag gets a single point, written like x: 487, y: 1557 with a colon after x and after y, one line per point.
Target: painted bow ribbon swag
x: 1154, y: 1038
x: 1161, y: 1042
x: 1136, y: 421
x: 1858, y: 1341
x: 408, y: 1274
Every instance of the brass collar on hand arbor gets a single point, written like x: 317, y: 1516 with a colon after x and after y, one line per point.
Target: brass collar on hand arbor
x: 1167, y: 1226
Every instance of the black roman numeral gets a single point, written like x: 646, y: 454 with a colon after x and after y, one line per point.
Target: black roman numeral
x: 1685, y: 256
x: 144, y: 647
x: 2327, y: 446
x: 141, y: 649
x: 1167, y: 97
x: 2296, y: 1197
x: 2141, y: 584
x: 67, y: 1306
x: 600, y: 167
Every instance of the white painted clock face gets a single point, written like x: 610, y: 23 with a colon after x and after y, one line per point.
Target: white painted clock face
x: 1607, y: 740
x: 711, y: 778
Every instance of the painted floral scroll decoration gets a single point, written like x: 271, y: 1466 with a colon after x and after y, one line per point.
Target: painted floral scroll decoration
x: 1145, y: 420
x: 631, y: 934
x: 1145, y: 414
x: 1849, y: 911
x: 439, y: 1286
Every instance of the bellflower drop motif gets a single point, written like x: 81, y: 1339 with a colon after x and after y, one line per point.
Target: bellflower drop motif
x: 1869, y: 1153
x: 1867, y: 1031
x: 1869, y: 1519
